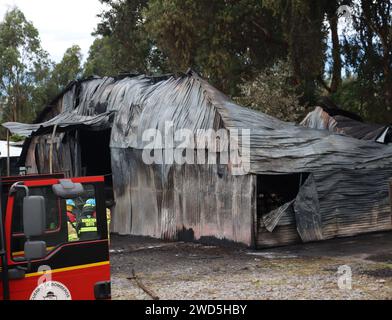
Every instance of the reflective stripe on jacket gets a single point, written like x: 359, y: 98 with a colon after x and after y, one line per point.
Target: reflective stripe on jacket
x: 88, y: 225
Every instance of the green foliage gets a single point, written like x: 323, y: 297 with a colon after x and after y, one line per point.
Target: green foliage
x: 24, y: 67
x: 273, y: 93
x: 62, y: 73
x: 69, y: 69
x: 357, y: 97
x: 124, y: 44
x: 17, y: 138
x: 368, y: 54
x: 304, y: 31
x: 100, y: 61
x: 225, y: 41
x: 347, y: 95
x: 28, y: 79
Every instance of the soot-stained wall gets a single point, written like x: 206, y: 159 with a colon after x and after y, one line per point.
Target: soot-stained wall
x: 186, y: 202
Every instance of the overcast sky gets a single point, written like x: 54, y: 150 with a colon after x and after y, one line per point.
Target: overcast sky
x: 61, y: 23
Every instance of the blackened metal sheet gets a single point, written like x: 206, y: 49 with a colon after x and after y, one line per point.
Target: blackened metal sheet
x: 272, y: 219
x: 178, y: 202
x: 307, y: 212
x: 351, y: 202
x: 322, y: 120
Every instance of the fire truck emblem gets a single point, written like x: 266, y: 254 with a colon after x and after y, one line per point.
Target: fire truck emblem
x: 51, y: 290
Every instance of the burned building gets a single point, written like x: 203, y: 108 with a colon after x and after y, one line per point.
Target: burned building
x: 281, y: 184
x: 346, y: 123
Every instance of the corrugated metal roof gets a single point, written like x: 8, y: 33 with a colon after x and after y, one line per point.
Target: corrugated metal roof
x: 189, y: 102
x: 65, y: 120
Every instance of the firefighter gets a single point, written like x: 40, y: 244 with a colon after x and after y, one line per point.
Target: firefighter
x: 87, y: 224
x: 72, y: 233
x: 109, y: 204
x: 108, y: 217
x: 71, y: 221
x: 71, y: 215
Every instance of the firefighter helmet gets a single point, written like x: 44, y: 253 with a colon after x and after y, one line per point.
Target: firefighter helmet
x: 90, y: 203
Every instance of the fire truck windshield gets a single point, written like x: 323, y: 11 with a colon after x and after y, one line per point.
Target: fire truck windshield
x: 67, y: 220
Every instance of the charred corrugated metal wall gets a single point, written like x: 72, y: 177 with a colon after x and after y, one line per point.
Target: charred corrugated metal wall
x: 345, y: 191
x: 182, y: 202
x: 350, y: 202
x: 65, y: 154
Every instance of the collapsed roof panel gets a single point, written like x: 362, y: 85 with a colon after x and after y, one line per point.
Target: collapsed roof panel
x: 63, y: 122
x: 325, y: 119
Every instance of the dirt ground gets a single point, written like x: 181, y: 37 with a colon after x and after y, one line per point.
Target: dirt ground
x: 190, y: 271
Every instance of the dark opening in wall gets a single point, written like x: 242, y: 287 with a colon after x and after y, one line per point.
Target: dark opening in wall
x: 14, y: 166
x: 96, y: 158
x: 273, y: 191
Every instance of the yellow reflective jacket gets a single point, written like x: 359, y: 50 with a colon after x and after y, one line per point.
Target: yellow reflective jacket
x: 72, y: 234
x: 108, y: 218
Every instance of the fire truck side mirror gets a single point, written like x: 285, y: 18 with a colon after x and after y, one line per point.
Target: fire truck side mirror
x: 34, y: 216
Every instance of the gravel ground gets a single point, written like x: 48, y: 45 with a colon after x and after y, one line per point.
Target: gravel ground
x: 195, y: 271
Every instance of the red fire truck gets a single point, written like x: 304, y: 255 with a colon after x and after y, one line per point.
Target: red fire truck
x: 38, y: 259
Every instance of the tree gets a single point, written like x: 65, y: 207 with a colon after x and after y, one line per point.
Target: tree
x: 225, y: 41
x: 305, y: 32
x: 332, y: 11
x: 368, y: 55
x: 231, y: 42
x: 24, y: 67
x: 68, y: 69
x: 124, y: 40
x: 60, y: 75
x: 273, y: 93
x: 100, y: 60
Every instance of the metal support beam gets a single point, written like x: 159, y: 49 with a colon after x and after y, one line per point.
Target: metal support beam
x: 8, y: 154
